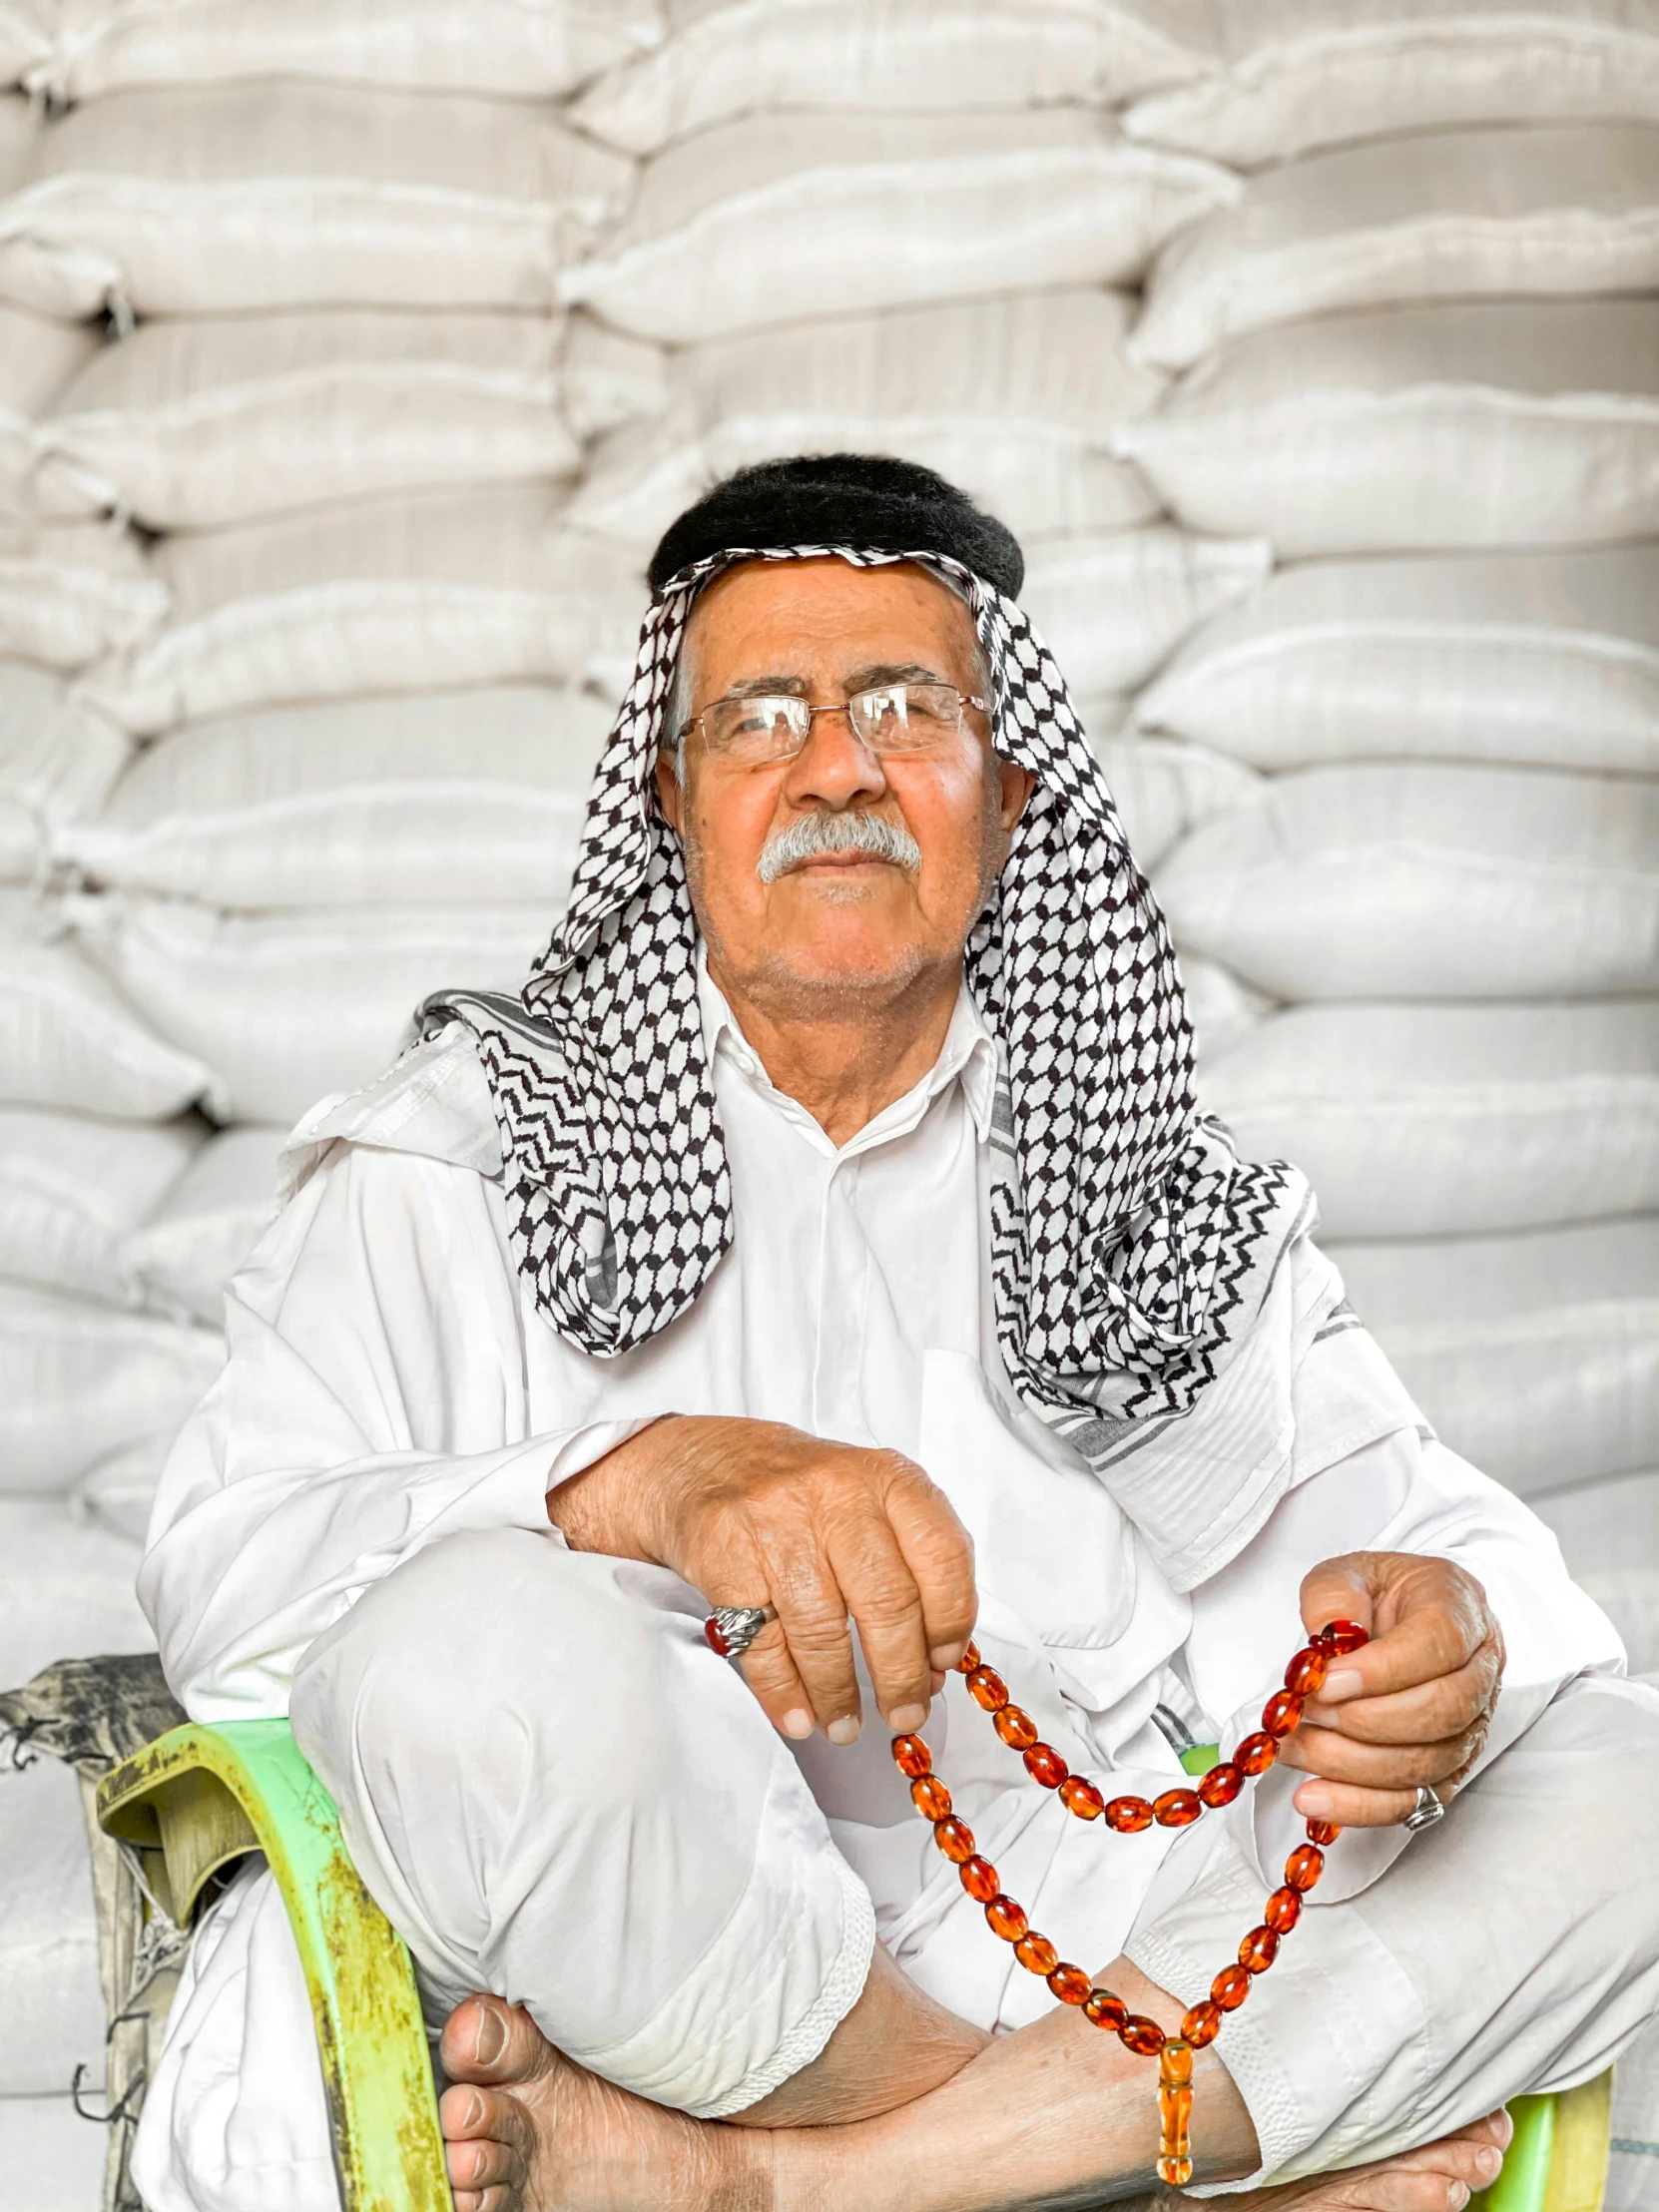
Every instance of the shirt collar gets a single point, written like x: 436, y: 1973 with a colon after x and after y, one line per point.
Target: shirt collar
x: 968, y: 1054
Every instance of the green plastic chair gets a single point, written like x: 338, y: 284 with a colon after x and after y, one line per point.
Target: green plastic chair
x: 200, y: 1798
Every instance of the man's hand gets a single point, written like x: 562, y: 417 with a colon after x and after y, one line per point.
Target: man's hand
x: 752, y: 1512
x: 1413, y: 1705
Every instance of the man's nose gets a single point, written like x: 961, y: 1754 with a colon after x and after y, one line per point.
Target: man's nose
x: 834, y: 769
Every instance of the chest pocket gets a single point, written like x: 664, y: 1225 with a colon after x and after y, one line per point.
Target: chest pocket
x: 1050, y: 1542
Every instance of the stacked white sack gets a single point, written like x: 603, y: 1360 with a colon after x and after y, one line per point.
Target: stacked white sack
x: 1421, y: 358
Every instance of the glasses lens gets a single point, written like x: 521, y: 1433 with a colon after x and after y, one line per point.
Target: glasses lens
x: 906, y: 718
x: 756, y: 729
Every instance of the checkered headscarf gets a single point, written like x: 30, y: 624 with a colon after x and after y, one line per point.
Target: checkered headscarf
x: 1132, y: 1248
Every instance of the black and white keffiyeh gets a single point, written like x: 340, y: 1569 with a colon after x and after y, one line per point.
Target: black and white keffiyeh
x: 1132, y: 1248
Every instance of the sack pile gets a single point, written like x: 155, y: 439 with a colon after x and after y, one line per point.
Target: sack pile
x: 352, y: 360
x: 1419, y: 354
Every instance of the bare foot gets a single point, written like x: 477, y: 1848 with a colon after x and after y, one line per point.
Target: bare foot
x: 1440, y: 2177
x: 526, y: 2130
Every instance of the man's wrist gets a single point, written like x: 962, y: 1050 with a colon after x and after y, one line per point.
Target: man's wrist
x: 613, y: 1506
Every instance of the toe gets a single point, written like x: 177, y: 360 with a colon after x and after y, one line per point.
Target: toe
x: 486, y: 2039
x: 482, y: 2164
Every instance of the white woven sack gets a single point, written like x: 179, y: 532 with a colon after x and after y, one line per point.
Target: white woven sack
x: 53, y: 2018
x: 117, y: 1492
x: 25, y: 37
x: 1013, y: 398
x: 278, y: 194
x: 76, y: 1380
x: 72, y: 591
x: 1386, y: 879
x: 1535, y: 1356
x: 66, y: 1591
x: 68, y: 1040
x: 1463, y: 214
x: 72, y: 1190
x: 439, y: 588
x: 20, y: 123
x: 1112, y: 608
x: 745, y: 57
x: 38, y: 357
x: 1306, y: 73
x: 441, y: 796
x: 206, y: 1225
x: 1492, y: 424
x: 287, y: 1008
x: 1543, y: 659
x: 57, y: 763
x: 505, y: 46
x: 1221, y: 1005
x: 191, y: 425
x: 1165, y: 791
x: 783, y: 216
x: 1432, y: 1121
x: 47, y: 2136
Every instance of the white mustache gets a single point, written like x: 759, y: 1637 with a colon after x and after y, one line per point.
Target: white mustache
x: 856, y: 832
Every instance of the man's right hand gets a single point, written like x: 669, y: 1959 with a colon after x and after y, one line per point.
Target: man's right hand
x: 752, y: 1512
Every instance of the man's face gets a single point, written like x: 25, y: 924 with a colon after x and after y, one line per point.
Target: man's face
x: 837, y: 922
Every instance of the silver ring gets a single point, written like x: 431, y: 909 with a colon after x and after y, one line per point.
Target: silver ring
x: 730, y: 1629
x: 1426, y: 1811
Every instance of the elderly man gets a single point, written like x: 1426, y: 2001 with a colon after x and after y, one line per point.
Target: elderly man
x: 827, y: 1234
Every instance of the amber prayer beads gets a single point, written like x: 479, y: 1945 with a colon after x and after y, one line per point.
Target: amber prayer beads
x: 1303, y: 1677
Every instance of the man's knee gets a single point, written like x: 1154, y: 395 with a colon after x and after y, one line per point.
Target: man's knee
x: 493, y: 1660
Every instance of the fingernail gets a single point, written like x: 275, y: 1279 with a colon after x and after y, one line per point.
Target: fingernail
x: 845, y: 1731
x: 493, y: 2035
x: 1346, y: 1682
x: 945, y: 1656
x: 903, y: 1718
x: 798, y: 1723
x: 1488, y: 2162
x: 1313, y: 1801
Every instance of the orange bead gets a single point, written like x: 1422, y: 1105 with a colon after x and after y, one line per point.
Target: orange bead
x: 1128, y: 1814
x: 1036, y: 1955
x: 1323, y: 1831
x: 929, y: 1794
x: 987, y: 1688
x: 1305, y: 1672
x: 956, y: 1839
x: 1282, y: 1911
x: 1006, y: 1919
x: 1256, y: 1753
x: 1141, y: 2035
x: 911, y: 1756
x: 1174, y: 2063
x: 1071, y: 1984
x: 1258, y: 1950
x: 1176, y: 1809
x: 1202, y: 2025
x: 1175, y: 2112
x: 980, y: 1880
x: 1175, y: 2172
x: 1222, y: 1784
x: 1281, y: 1713
x: 969, y: 1659
x: 1081, y: 1797
x: 1229, y: 1989
x: 1343, y: 1636
x: 1016, y: 1729
x: 1304, y: 1867
x: 1105, y: 2009
x: 1044, y: 1764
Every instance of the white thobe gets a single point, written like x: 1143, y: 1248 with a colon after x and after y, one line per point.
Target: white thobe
x: 360, y: 1506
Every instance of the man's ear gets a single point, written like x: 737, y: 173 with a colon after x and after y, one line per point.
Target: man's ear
x: 1016, y: 786
x: 669, y: 798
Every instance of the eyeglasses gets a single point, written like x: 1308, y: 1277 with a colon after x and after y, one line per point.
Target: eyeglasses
x: 889, y: 718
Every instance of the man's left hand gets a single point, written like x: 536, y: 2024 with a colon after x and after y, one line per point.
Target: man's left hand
x: 1413, y: 1705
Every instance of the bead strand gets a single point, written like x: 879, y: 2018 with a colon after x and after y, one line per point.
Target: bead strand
x: 1177, y: 1807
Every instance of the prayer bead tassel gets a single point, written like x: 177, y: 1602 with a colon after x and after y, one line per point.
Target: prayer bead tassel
x: 1175, y: 2112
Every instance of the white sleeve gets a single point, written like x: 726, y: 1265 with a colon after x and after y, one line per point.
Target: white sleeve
x: 374, y: 1399
x: 1405, y: 1492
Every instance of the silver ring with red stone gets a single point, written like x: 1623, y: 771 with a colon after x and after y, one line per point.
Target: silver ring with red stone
x: 730, y: 1629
